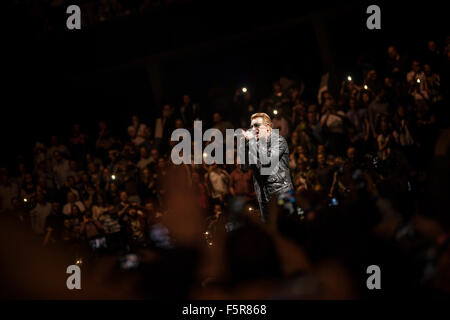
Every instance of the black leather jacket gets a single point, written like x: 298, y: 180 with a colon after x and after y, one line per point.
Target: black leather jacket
x: 279, y: 179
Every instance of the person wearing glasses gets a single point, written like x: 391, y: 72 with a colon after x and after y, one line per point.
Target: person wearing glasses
x: 278, y: 180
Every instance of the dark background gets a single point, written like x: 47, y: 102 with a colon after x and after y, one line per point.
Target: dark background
x: 137, y: 63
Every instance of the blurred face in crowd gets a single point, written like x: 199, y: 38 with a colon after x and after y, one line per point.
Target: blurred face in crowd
x: 366, y: 97
x: 75, y: 211
x: 217, y: 117
x: 132, y: 132
x: 42, y: 182
x: 330, y: 160
x: 67, y: 223
x: 132, y: 212
x: 352, y: 103
x: 123, y: 166
x: 327, y: 96
x: 372, y: 75
x: 135, y: 120
x: 112, y: 154
x: 143, y: 152
x: 123, y: 196
x: 40, y: 197
x: 415, y: 66
x: 102, y: 125
x: 22, y: 168
x: 56, y: 207
x: 70, y: 197
x: 91, y: 168
x: 99, y: 199
x: 277, y: 88
x: 388, y: 82
x: 321, y: 148
x: 57, y: 156
x: 73, y: 165
x: 351, y: 153
x: 432, y: 46
x: 186, y: 99
x: 427, y: 69
x: 311, y: 117
x: 178, y: 124
x: 321, y: 159
x: 167, y: 110
x: 113, y: 187
x: 161, y: 163
x: 392, y: 52
x: 401, y: 111
x: 312, y: 108
x: 301, y: 165
x: 149, y: 206
x: 155, y: 154
x: 145, y: 172
x: 28, y: 178
x: 70, y: 181
x: 147, y: 133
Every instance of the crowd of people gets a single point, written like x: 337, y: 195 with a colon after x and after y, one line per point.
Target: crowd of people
x: 369, y: 165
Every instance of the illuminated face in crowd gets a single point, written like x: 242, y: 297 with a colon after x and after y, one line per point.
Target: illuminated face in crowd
x: 261, y: 130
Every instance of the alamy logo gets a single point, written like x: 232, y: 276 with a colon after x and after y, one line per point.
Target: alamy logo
x: 74, y: 20
x: 374, y: 280
x: 263, y: 152
x: 374, y: 20
x: 74, y: 280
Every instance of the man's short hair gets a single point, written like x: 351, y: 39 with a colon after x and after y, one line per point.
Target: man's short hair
x: 266, y: 118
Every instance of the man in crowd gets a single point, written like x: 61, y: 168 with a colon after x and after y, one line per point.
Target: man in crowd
x: 279, y: 180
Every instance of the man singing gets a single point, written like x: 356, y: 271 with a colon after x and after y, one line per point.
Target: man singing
x: 273, y: 178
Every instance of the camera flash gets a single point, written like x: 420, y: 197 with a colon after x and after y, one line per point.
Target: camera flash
x: 25, y: 200
x: 244, y: 89
x: 275, y: 112
x: 349, y: 78
x: 418, y: 80
x: 205, y: 155
x: 366, y: 87
x: 113, y: 177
